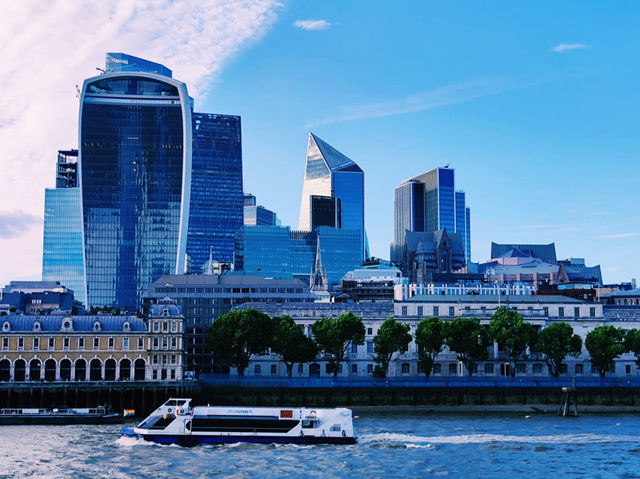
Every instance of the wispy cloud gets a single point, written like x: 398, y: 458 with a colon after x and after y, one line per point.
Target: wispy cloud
x: 616, y: 236
x: 38, y: 108
x: 565, y: 47
x: 15, y: 223
x: 312, y: 25
x: 423, y: 101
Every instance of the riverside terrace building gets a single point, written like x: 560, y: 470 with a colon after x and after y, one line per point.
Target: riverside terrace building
x: 202, y: 298
x: 540, y: 311
x: 92, y: 348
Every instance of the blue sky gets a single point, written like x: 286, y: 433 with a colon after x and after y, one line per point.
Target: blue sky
x: 545, y: 143
x: 535, y: 105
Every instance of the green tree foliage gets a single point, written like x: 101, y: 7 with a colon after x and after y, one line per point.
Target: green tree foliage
x: 334, y: 335
x: 236, y: 335
x: 469, y: 340
x: 556, y: 342
x: 430, y: 337
x: 605, y: 344
x: 391, y: 337
x: 632, y: 344
x: 512, y: 332
x: 290, y: 343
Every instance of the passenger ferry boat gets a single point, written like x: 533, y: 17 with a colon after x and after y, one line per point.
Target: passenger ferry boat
x: 176, y: 422
x: 63, y: 415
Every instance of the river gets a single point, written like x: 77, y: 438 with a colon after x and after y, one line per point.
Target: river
x: 401, y: 445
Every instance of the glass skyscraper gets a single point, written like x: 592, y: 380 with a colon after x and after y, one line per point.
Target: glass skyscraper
x: 135, y: 179
x: 429, y: 202
x: 333, y: 190
x: 216, y: 210
x: 62, y: 255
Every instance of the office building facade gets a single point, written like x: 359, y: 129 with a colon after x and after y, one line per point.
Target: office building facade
x: 216, y: 200
x: 256, y: 215
x: 135, y: 135
x: 332, y: 192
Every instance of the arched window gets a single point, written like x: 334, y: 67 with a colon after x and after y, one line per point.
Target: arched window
x: 65, y: 369
x: 110, y: 370
x: 405, y: 368
x: 140, y: 369
x: 50, y: 370
x: 37, y: 326
x: 126, y: 326
x: 5, y: 370
x: 125, y: 369
x: 81, y: 370
x: 6, y: 327
x: 19, y: 370
x: 95, y: 370
x: 97, y: 326
x: 34, y: 369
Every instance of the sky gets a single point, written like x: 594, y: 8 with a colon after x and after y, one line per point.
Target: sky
x: 536, y: 106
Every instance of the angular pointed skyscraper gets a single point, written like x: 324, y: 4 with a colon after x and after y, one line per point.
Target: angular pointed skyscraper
x: 333, y: 190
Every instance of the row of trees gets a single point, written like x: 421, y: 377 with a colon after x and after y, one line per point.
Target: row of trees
x: 235, y: 336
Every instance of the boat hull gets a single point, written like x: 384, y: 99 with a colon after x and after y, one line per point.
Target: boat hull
x: 194, y: 440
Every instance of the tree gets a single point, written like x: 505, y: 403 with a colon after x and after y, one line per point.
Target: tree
x: 469, y: 339
x: 430, y: 336
x: 290, y: 343
x: 236, y: 335
x: 512, y: 332
x: 632, y: 344
x: 334, y: 335
x: 605, y: 344
x: 556, y: 342
x: 391, y: 337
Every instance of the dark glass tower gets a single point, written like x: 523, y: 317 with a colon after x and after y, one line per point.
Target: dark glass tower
x: 217, y: 202
x: 426, y: 203
x: 135, y: 180
x: 331, y: 175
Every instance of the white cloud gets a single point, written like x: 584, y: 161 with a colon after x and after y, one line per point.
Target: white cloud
x: 617, y: 236
x: 565, y: 47
x: 312, y: 24
x: 47, y: 49
x: 427, y: 100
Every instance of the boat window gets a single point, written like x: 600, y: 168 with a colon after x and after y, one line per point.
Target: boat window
x: 243, y: 424
x: 335, y: 427
x: 157, y: 422
x: 309, y: 423
x: 187, y: 426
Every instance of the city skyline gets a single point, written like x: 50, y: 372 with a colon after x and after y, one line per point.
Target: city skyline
x: 542, y: 141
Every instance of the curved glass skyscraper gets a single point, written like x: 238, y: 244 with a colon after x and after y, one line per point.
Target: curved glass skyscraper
x: 135, y: 136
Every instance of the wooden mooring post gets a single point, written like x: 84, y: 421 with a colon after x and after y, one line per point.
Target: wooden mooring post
x: 569, y: 402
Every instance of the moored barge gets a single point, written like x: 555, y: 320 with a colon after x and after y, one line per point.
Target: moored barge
x: 60, y: 416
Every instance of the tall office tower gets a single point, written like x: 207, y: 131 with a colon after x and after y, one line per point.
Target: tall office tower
x: 135, y: 137
x: 216, y: 210
x: 122, y: 62
x: 333, y: 190
x: 62, y: 240
x: 256, y: 215
x: 426, y: 203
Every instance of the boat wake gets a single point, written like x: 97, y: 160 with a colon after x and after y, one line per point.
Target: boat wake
x: 127, y: 441
x: 411, y: 440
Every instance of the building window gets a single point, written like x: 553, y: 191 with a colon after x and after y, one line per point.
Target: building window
x: 579, y: 369
x: 420, y: 311
x: 5, y: 343
x: 561, y: 312
x: 521, y: 368
x: 155, y: 359
x: 155, y: 326
x: 173, y: 374
x: 164, y: 359
x: 437, y: 368
x: 165, y: 327
x: 20, y: 344
x: 453, y: 369
x: 154, y: 374
x: 405, y: 368
x: 173, y: 359
x: 537, y: 368
x: 488, y: 368
x: 96, y: 343
x: 140, y: 342
x: 111, y: 343
x: 300, y: 368
x: 404, y: 311
x: 52, y: 343
x: 576, y: 312
x: 594, y: 370
x: 369, y: 331
x: 164, y: 342
x: 436, y: 310
x: 174, y: 327
x: 545, y: 310
x: 36, y: 344
x: 627, y: 369
x: 81, y: 344
x: 256, y: 370
x: 369, y: 347
x: 174, y: 342
x: 369, y: 368
x: 592, y: 312
x: 125, y: 343
x: 452, y: 311
x: 155, y: 343
x: 563, y: 368
x: 65, y: 343
x: 354, y: 369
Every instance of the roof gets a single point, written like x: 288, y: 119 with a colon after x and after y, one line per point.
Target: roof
x: 187, y: 280
x: 505, y: 299
x: 335, y: 160
x: 114, y: 324
x: 625, y: 294
x: 545, y: 252
x: 428, y: 241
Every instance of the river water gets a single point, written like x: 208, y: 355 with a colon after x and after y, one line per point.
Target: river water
x: 444, y: 445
